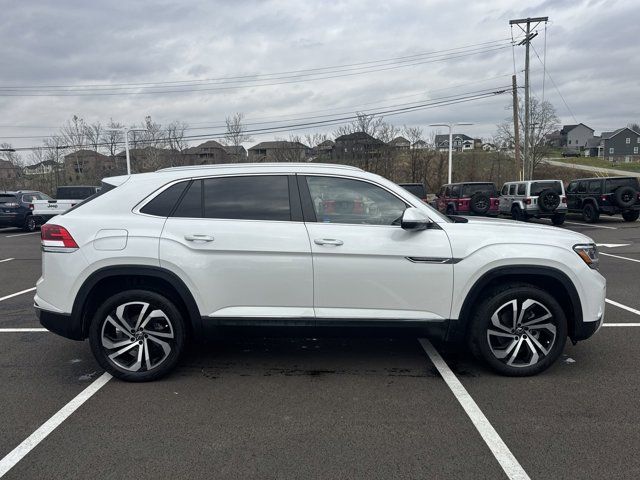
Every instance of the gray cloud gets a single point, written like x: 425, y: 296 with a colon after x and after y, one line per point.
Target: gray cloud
x: 591, y: 55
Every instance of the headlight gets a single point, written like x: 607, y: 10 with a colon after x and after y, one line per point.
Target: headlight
x: 588, y: 253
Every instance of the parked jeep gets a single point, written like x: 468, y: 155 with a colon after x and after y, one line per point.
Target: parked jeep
x: 534, y: 198
x: 468, y: 198
x: 611, y: 195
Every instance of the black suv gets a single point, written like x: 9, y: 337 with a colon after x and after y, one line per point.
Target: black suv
x: 16, y: 209
x: 610, y: 195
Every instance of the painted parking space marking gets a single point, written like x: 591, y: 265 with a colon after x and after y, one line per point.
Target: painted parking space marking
x: 591, y: 226
x: 624, y: 307
x: 22, y: 330
x: 621, y: 258
x: 32, y: 441
x: 7, y: 260
x: 7, y: 297
x: 20, y: 234
x: 500, y: 451
x: 612, y: 245
x: 629, y: 324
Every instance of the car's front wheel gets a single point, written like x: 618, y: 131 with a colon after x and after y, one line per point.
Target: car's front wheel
x: 519, y: 330
x: 137, y: 335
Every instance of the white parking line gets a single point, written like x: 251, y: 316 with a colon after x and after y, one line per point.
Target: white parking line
x: 618, y: 256
x: 7, y: 297
x: 20, y: 234
x: 7, y: 260
x: 22, y: 330
x: 500, y: 451
x: 624, y: 307
x: 32, y: 441
x: 628, y: 324
x: 589, y: 225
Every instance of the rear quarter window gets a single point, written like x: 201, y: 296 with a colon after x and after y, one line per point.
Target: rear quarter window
x: 162, y: 205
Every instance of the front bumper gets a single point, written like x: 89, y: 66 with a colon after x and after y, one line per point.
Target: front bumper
x: 63, y: 324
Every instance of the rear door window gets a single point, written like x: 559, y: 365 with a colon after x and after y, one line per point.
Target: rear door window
x: 191, y: 203
x: 522, y: 189
x: 455, y: 191
x: 582, y: 187
x: 572, y: 187
x: 594, y: 186
x: 512, y: 189
x: 260, y: 197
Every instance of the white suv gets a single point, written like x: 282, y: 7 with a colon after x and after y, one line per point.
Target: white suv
x: 158, y: 257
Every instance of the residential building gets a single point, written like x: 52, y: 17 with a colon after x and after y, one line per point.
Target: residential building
x: 421, y: 145
x: 236, y: 153
x: 40, y: 168
x: 489, y: 147
x: 400, y: 143
x: 279, y: 151
x: 554, y: 139
x: 88, y: 165
x: 461, y: 142
x: 622, y: 145
x: 575, y: 136
x: 593, y: 147
x: 357, y: 145
x: 8, y: 170
x: 207, y: 153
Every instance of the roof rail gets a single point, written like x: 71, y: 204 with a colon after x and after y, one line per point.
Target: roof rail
x: 258, y: 164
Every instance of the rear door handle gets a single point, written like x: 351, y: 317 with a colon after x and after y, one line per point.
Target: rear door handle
x: 328, y: 241
x: 198, y: 238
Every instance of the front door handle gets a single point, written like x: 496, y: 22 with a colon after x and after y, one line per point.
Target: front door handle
x: 198, y: 238
x: 328, y: 241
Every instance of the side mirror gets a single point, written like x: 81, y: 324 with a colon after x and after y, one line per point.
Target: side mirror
x: 414, y: 219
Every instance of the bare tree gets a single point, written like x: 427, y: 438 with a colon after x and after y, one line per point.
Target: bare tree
x: 94, y: 135
x: 175, y: 133
x: 634, y: 126
x: 544, y: 121
x: 236, y: 133
x: 367, y: 123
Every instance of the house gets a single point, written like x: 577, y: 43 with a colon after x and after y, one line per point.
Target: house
x: 279, y: 151
x: 357, y: 145
x: 149, y: 159
x: 400, y: 143
x: 461, y: 142
x: 553, y: 139
x: 593, y: 148
x: 489, y: 147
x: 575, y: 136
x: 420, y: 145
x: 40, y: 168
x: 207, y: 153
x: 322, y: 151
x: 8, y: 170
x: 87, y: 164
x: 236, y: 153
x: 622, y: 145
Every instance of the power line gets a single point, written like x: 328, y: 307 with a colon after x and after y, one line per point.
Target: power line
x: 309, y: 125
x: 556, y: 87
x: 247, y: 84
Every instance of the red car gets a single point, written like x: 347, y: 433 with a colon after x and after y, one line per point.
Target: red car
x: 468, y: 198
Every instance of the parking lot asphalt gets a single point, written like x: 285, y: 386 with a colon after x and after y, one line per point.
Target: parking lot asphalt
x: 353, y: 407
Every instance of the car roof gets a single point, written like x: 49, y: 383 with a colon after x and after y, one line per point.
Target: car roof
x: 469, y: 183
x: 17, y: 192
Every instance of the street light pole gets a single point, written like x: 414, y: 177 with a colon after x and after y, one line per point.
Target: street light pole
x: 125, y: 131
x: 450, y: 126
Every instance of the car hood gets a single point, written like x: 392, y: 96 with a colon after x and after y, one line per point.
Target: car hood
x: 476, y: 233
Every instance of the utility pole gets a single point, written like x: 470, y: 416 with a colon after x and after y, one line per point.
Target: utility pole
x: 516, y: 125
x: 526, y: 41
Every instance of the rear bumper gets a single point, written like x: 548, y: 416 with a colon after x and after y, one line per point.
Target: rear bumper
x: 62, y: 324
x: 614, y: 209
x: 536, y: 212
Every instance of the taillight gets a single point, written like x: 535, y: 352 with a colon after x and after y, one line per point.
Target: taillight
x: 527, y: 201
x: 604, y: 198
x: 563, y: 199
x: 31, y: 206
x: 56, y: 236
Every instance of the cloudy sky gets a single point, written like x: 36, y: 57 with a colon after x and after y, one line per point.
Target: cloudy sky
x: 425, y: 51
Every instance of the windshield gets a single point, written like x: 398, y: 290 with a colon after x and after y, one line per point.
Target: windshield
x: 104, y: 188
x: 472, y: 189
x: 538, y: 187
x: 614, y: 183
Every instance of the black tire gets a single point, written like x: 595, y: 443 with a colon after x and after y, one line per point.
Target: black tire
x: 498, y: 301
x: 102, y: 330
x: 450, y: 210
x: 631, y: 215
x: 558, y: 219
x: 548, y: 200
x: 590, y: 213
x: 625, y: 197
x: 518, y: 214
x: 30, y: 224
x: 480, y: 203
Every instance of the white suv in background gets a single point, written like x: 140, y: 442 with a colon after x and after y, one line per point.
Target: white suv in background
x: 157, y: 257
x: 535, y: 198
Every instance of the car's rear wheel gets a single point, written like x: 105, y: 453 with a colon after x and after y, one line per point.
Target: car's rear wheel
x: 590, y: 214
x: 519, y: 330
x: 137, y: 335
x: 30, y: 224
x: 631, y: 215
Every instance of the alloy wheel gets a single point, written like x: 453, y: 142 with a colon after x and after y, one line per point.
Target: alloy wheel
x: 137, y: 337
x: 521, y: 333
